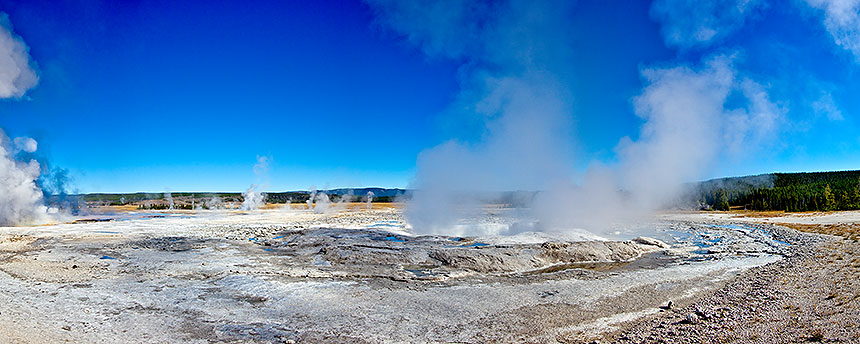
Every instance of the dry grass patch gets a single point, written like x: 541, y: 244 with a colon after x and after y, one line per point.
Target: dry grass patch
x: 758, y: 214
x: 847, y: 230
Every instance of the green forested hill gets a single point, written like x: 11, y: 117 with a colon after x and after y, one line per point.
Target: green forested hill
x: 793, y: 192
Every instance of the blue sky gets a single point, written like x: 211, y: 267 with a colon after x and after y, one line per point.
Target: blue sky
x: 155, y: 95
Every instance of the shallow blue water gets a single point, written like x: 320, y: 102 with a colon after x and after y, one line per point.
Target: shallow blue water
x: 394, y: 239
x: 751, y: 229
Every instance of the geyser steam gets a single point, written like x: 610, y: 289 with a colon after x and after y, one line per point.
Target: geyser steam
x: 21, y: 199
x: 254, y: 197
x: 516, y: 78
x: 17, y: 70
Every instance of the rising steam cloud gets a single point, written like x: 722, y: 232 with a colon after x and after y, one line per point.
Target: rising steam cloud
x: 21, y: 199
x: 255, y: 197
x: 17, y: 71
x: 516, y: 77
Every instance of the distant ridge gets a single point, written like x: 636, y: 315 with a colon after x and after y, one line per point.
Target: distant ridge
x: 187, y: 198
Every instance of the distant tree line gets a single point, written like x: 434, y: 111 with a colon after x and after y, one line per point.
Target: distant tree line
x: 301, y: 197
x: 792, y: 192
x: 184, y: 200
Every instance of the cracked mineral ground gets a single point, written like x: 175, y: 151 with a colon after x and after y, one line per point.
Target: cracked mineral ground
x: 361, y: 276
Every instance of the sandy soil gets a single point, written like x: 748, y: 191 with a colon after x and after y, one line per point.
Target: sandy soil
x: 277, y: 276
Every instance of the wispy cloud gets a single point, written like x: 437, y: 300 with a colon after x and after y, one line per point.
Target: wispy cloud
x: 826, y: 106
x: 842, y: 20
x: 692, y: 23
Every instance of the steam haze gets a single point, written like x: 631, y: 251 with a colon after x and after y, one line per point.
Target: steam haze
x: 20, y: 197
x: 516, y: 77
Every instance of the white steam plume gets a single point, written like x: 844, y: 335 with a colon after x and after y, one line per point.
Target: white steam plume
x: 514, y: 79
x: 689, y: 125
x: 516, y: 76
x: 313, y: 195
x: 320, y: 203
x: 17, y: 71
x: 170, y: 204
x: 369, y: 200
x: 214, y: 203
x: 254, y: 197
x: 20, y: 197
x: 344, y: 200
x: 25, y: 144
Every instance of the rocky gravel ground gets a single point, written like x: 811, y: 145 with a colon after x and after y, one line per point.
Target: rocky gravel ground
x: 362, y: 277
x: 811, y: 296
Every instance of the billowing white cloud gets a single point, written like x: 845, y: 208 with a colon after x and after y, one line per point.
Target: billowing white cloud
x: 693, y: 23
x: 842, y: 20
x: 17, y: 71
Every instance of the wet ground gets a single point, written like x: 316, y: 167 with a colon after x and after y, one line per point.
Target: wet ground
x: 358, y: 276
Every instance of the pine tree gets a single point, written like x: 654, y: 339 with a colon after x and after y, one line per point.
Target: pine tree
x: 829, y: 199
x: 723, y: 202
x: 855, y: 196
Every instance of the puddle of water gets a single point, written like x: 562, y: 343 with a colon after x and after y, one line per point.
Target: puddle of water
x: 730, y: 227
x: 593, y: 266
x: 649, y: 261
x: 111, y: 216
x: 389, y: 238
x: 477, y: 244
x: 752, y: 230
x: 319, y: 261
x: 394, y: 239
x: 90, y: 220
x: 107, y: 257
x: 421, y: 270
x: 386, y: 224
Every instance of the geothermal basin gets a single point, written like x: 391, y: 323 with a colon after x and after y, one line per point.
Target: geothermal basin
x: 358, y: 275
